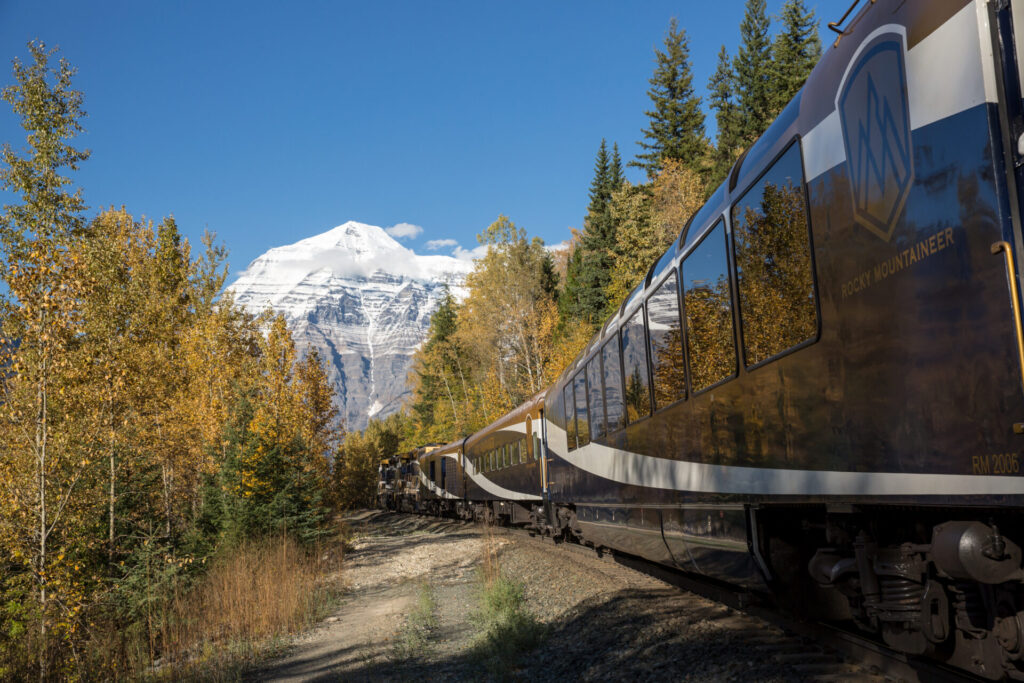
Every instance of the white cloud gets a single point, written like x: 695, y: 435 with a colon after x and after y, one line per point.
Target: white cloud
x: 470, y: 254
x: 561, y: 246
x: 434, y: 245
x: 404, y: 231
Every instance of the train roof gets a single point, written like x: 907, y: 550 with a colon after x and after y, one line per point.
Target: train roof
x: 453, y: 447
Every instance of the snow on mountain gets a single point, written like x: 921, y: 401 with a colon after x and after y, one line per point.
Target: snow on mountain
x: 363, y: 300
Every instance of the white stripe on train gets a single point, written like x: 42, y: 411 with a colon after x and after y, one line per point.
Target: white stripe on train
x: 635, y: 469
x: 488, y: 485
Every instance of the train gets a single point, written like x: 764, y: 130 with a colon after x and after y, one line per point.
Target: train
x: 817, y: 392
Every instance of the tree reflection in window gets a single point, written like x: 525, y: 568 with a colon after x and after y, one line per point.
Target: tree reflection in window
x: 570, y: 415
x: 708, y: 304
x: 597, y: 428
x: 614, y: 408
x: 773, y: 262
x: 665, y: 331
x: 634, y: 365
x: 582, y: 424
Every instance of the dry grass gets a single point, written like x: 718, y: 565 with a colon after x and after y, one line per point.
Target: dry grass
x: 490, y: 567
x: 249, y: 599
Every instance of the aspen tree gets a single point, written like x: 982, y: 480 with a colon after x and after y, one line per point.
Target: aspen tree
x: 41, y: 467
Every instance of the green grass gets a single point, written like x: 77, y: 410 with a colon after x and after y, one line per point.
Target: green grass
x: 507, y: 629
x: 414, y: 638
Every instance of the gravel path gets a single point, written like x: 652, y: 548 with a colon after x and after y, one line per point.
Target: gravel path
x: 603, y: 621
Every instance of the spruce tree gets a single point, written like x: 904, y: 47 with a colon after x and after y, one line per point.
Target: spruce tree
x: 722, y: 89
x: 795, y: 52
x: 676, y: 121
x: 616, y: 176
x: 587, y: 273
x: 753, y: 68
x: 599, y: 191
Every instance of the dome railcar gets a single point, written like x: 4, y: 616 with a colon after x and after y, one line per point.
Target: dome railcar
x: 817, y: 391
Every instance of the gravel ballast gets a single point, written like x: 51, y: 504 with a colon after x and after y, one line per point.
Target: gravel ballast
x: 602, y: 621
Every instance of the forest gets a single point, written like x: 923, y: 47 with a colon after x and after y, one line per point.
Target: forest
x: 157, y: 442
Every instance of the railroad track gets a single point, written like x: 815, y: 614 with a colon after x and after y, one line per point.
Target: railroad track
x: 816, y: 651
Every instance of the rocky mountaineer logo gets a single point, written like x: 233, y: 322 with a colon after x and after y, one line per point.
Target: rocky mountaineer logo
x: 875, y: 115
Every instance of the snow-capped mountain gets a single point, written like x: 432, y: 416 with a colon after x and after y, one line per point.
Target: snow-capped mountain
x: 363, y: 300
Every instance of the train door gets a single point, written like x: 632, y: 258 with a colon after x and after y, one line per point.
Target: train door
x: 444, y: 470
x: 1006, y: 23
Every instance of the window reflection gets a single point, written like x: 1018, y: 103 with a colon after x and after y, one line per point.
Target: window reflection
x: 634, y: 365
x: 582, y: 425
x: 570, y: 415
x: 666, y: 336
x: 709, y: 331
x: 614, y: 409
x: 597, y: 427
x: 773, y: 262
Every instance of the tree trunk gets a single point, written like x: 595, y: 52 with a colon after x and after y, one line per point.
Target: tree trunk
x: 41, y: 444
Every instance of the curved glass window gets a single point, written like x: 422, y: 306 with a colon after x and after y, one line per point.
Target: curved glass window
x: 582, y: 424
x: 665, y: 331
x: 612, y: 373
x: 634, y: 368
x: 597, y: 426
x: 708, y: 302
x: 773, y: 262
x: 570, y: 415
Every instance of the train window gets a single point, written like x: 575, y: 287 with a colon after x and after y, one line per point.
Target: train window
x: 521, y: 447
x: 773, y: 262
x: 708, y: 303
x: 582, y: 424
x: 504, y: 455
x: 570, y: 415
x: 536, y: 447
x: 665, y: 331
x: 597, y: 427
x: 634, y: 366
x: 615, y: 411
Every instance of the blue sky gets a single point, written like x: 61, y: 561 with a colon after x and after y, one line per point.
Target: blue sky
x: 267, y: 122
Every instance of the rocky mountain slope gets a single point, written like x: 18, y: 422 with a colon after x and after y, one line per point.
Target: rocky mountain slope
x: 362, y: 299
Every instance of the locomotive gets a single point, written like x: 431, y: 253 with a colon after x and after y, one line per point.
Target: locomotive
x: 817, y: 392
x: 398, y: 481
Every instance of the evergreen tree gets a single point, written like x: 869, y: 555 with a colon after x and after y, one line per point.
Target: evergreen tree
x: 616, y: 176
x: 753, y: 68
x: 722, y: 89
x: 570, y: 308
x: 599, y: 185
x: 676, y: 121
x: 584, y: 298
x: 795, y: 52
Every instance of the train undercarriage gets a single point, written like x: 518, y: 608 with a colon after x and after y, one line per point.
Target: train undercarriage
x: 942, y: 586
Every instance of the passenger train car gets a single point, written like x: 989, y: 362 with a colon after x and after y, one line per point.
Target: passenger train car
x: 818, y: 390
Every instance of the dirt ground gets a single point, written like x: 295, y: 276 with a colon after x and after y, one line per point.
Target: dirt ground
x: 600, y: 621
